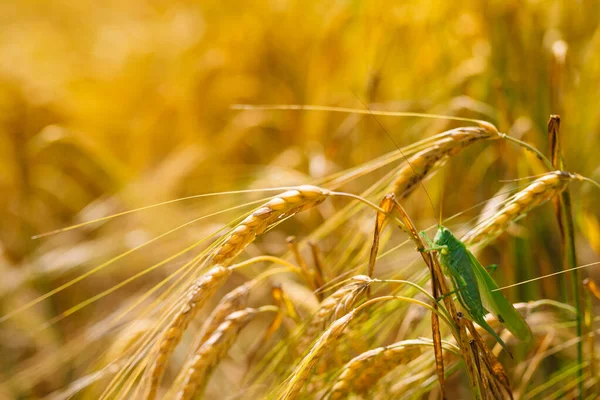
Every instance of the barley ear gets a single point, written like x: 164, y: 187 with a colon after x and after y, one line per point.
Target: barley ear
x: 365, y: 370
x: 194, y: 298
x: 302, y: 372
x: 282, y: 206
x: 335, y: 306
x: 445, y: 145
x: 197, y: 371
x: 538, y: 192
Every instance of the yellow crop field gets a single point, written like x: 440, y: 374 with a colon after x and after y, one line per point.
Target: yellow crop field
x: 299, y: 199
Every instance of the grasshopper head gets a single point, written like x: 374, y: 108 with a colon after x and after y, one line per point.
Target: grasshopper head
x: 442, y: 236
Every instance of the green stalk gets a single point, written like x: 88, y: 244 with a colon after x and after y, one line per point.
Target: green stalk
x: 571, y: 256
x: 565, y: 218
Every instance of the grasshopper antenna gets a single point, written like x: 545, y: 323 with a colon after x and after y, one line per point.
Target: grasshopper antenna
x: 441, y: 207
x: 400, y: 150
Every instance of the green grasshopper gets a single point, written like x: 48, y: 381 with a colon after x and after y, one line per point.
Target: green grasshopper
x: 475, y: 288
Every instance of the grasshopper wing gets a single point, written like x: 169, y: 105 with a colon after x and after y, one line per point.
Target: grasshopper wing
x: 495, y: 302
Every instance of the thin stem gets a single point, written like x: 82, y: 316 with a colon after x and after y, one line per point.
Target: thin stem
x: 589, y: 180
x: 148, y: 207
x: 444, y: 316
x: 571, y: 256
x: 529, y: 147
x: 348, y: 110
x: 564, y: 215
x: 547, y: 276
x: 273, y: 259
x: 368, y: 203
x: 392, y: 297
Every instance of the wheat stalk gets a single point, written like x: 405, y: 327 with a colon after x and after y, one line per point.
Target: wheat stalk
x: 445, y: 145
x: 282, y: 206
x: 539, y: 191
x: 365, y: 370
x: 195, y: 297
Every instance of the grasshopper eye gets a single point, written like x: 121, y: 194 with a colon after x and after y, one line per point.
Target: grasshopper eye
x: 444, y: 250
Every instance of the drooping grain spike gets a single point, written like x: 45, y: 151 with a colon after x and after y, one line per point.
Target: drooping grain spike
x: 231, y: 302
x: 286, y: 204
x: 194, y: 298
x: 446, y: 145
x: 539, y: 191
x: 197, y: 371
x: 365, y: 370
x: 302, y: 372
x: 335, y: 306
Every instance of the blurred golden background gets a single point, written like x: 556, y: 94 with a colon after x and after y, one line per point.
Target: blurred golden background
x: 112, y: 105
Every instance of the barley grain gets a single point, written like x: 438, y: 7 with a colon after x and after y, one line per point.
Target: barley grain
x: 286, y: 204
x: 196, y: 296
x: 445, y: 145
x: 335, y: 306
x: 231, y: 302
x: 539, y: 191
x: 364, y: 370
x: 302, y: 372
x: 197, y: 371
